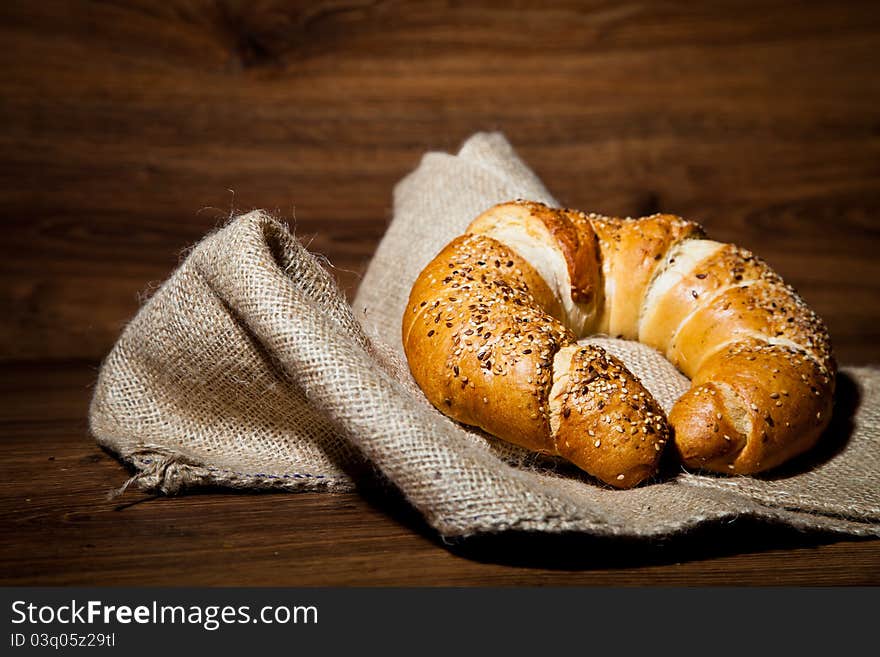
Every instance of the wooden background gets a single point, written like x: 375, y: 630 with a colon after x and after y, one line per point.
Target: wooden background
x: 130, y: 129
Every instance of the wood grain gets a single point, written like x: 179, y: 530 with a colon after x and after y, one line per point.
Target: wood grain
x: 130, y: 129
x: 125, y: 125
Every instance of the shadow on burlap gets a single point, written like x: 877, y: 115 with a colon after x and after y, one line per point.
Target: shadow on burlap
x: 247, y: 369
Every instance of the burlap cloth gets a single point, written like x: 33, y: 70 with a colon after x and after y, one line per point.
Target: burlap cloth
x: 248, y: 369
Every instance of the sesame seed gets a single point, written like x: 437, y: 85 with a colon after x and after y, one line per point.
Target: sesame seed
x: 620, y: 477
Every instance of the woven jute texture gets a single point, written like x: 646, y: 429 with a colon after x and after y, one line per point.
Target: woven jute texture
x: 248, y: 369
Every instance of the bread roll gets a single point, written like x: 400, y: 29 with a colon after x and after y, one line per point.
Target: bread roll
x: 490, y: 333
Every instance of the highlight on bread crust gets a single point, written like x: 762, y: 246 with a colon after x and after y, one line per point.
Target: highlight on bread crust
x: 492, y: 322
x: 602, y: 419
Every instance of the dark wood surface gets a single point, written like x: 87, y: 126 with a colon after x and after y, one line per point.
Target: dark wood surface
x: 130, y: 129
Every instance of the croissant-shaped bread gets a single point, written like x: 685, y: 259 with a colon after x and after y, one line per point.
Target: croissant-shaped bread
x: 492, y: 324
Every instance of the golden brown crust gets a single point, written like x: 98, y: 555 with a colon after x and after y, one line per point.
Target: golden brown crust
x: 760, y: 360
x: 609, y: 425
x: 480, y: 342
x: 766, y: 308
x: 578, y: 247
x: 751, y: 407
x: 632, y: 250
x: 696, y: 283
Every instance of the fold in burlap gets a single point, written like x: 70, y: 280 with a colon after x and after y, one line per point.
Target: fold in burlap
x: 248, y: 369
